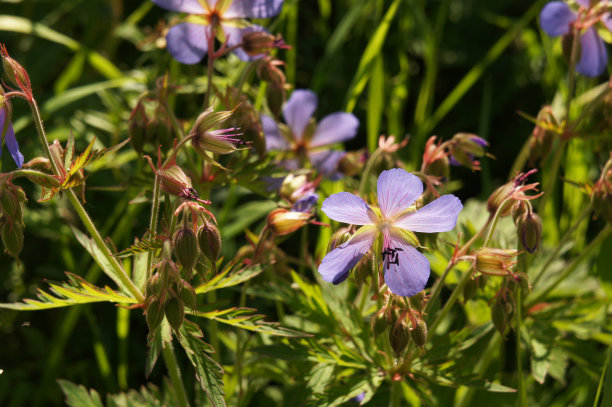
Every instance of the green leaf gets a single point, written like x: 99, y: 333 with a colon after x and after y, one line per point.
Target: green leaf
x: 78, y: 291
x: 142, y: 246
x: 245, y: 318
x: 229, y: 277
x: 79, y: 396
x: 604, y: 259
x: 160, y: 337
x: 208, y: 372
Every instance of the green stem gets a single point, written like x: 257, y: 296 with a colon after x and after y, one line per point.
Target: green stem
x: 522, y: 392
x: 82, y: 213
x: 396, y: 394
x: 175, y: 375
x: 569, y: 269
x: 366, y: 173
x: 153, y: 220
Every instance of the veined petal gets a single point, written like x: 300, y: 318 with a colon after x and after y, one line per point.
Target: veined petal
x: 335, y: 128
x: 233, y: 36
x: 437, y: 216
x: 13, y: 146
x: 555, y: 18
x: 584, y: 3
x: 253, y: 9
x: 348, y: 208
x: 184, y: 6
x: 187, y: 42
x: 327, y: 162
x: 336, y: 265
x: 593, y: 54
x: 298, y: 110
x: 397, y: 189
x: 406, y: 269
x: 606, y: 19
x: 274, y: 138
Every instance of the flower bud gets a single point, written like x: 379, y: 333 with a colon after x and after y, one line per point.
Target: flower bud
x: 495, y: 262
x: 499, y: 317
x: 529, y: 229
x: 154, y: 286
x: 160, y: 131
x: 137, y: 128
x: 378, y: 323
x: 399, y: 337
x: 15, y: 73
x: 524, y: 284
x: 12, y: 237
x: 352, y: 163
x: 419, y: 300
x: 175, y: 313
x: 174, y: 181
x: 469, y: 289
x: 499, y: 197
x: 10, y: 205
x: 419, y: 333
x: 155, y: 314
x: 275, y: 96
x: 209, y: 241
x: 293, y: 186
x: 284, y: 222
x: 268, y: 71
x: 186, y: 248
x: 187, y: 294
x: 340, y: 237
x: 256, y: 43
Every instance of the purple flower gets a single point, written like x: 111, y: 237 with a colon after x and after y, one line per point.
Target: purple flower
x: 301, y: 141
x: 556, y: 18
x: 406, y: 270
x: 188, y: 41
x: 9, y: 137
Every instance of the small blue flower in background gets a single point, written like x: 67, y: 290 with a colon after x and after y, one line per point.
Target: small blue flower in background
x: 557, y: 18
x: 188, y: 41
x: 9, y: 137
x: 406, y: 270
x: 301, y: 141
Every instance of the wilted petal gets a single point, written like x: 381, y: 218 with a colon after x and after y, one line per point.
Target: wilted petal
x: 253, y: 9
x: 593, y: 54
x: 184, y: 6
x: 348, y: 208
x: 274, y: 138
x: 335, y: 128
x: 336, y: 265
x: 555, y: 18
x: 13, y: 146
x: 187, y: 42
x: 233, y: 36
x: 397, y: 189
x: 298, y: 110
x: 406, y: 270
x: 326, y: 162
x: 437, y: 216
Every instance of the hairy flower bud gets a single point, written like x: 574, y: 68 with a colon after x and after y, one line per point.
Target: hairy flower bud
x: 175, y: 182
x: 12, y: 237
x: 15, y: 73
x: 495, y: 262
x: 352, y: 163
x: 175, y: 312
x: 419, y: 300
x: 399, y: 336
x: 256, y: 43
x: 275, y: 96
x: 153, y: 286
x: 186, y: 248
x: 499, y: 197
x: 529, y: 230
x: 284, y: 222
x: 187, y: 294
x: 378, y: 323
x: 469, y: 289
x: 155, y: 314
x: 10, y: 205
x: 419, y: 333
x: 209, y: 241
x: 499, y: 317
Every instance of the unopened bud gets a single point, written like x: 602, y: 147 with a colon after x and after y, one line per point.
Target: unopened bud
x: 352, y: 163
x: 500, y: 198
x: 419, y: 333
x: 378, y: 323
x: 174, y: 181
x: 419, y: 300
x: 399, y: 336
x: 499, y: 317
x: 529, y: 229
x: 259, y: 42
x: 137, y: 128
x: 12, y: 237
x: 209, y: 241
x: 159, y: 130
x: 284, y: 222
x: 496, y: 262
x: 15, y: 73
x: 524, y: 284
x: 175, y: 313
x: 188, y: 294
x: 186, y: 248
x: 269, y: 71
x: 341, y: 236
x: 469, y: 289
x: 9, y: 203
x: 155, y: 314
x: 154, y: 285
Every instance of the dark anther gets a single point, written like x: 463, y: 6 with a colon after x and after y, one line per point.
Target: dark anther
x: 393, y: 255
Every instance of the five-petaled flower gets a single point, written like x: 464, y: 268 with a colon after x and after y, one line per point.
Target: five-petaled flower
x: 188, y: 41
x: 557, y: 18
x: 406, y: 270
x: 8, y: 135
x: 302, y: 141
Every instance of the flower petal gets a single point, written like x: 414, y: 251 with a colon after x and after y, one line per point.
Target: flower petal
x: 407, y: 270
x: 274, y: 138
x: 584, y: 3
x: 233, y: 36
x: 593, y: 54
x: 187, y: 42
x: 437, y: 216
x: 184, y: 6
x: 253, y: 9
x: 335, y: 128
x: 298, y: 110
x: 13, y: 146
x: 348, y: 208
x: 326, y: 162
x: 397, y: 189
x: 555, y: 18
x: 336, y: 265
x: 606, y: 19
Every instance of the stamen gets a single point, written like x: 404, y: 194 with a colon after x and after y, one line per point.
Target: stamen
x: 393, y: 255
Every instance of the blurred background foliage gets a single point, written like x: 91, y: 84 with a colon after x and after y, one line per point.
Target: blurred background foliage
x: 412, y: 68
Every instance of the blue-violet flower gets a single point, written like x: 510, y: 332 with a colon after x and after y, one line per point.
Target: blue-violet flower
x: 8, y: 135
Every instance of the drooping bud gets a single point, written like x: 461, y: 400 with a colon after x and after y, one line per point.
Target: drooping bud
x: 284, y: 222
x: 275, y: 97
x: 469, y: 289
x: 256, y: 43
x: 159, y: 129
x: 12, y: 237
x: 529, y: 230
x: 187, y: 294
x: 155, y: 314
x: 10, y: 205
x: 465, y: 147
x: 499, y: 317
x: 378, y: 323
x: 154, y: 285
x: 419, y: 300
x: 499, y: 197
x: 268, y: 70
x: 175, y: 313
x: 399, y: 336
x: 209, y: 241
x: 341, y: 236
x: 175, y: 182
x: 15, y: 73
x: 494, y: 262
x: 419, y: 333
x: 186, y: 248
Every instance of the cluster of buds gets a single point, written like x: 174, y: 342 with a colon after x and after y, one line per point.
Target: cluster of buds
x: 404, y: 319
x: 268, y: 70
x: 601, y: 194
x: 150, y: 124
x: 11, y: 217
x: 205, y: 140
x: 300, y: 193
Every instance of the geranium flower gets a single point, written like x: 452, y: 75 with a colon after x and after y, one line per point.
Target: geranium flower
x: 9, y: 137
x: 406, y: 270
x: 557, y: 18
x: 305, y: 142
x: 188, y: 41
